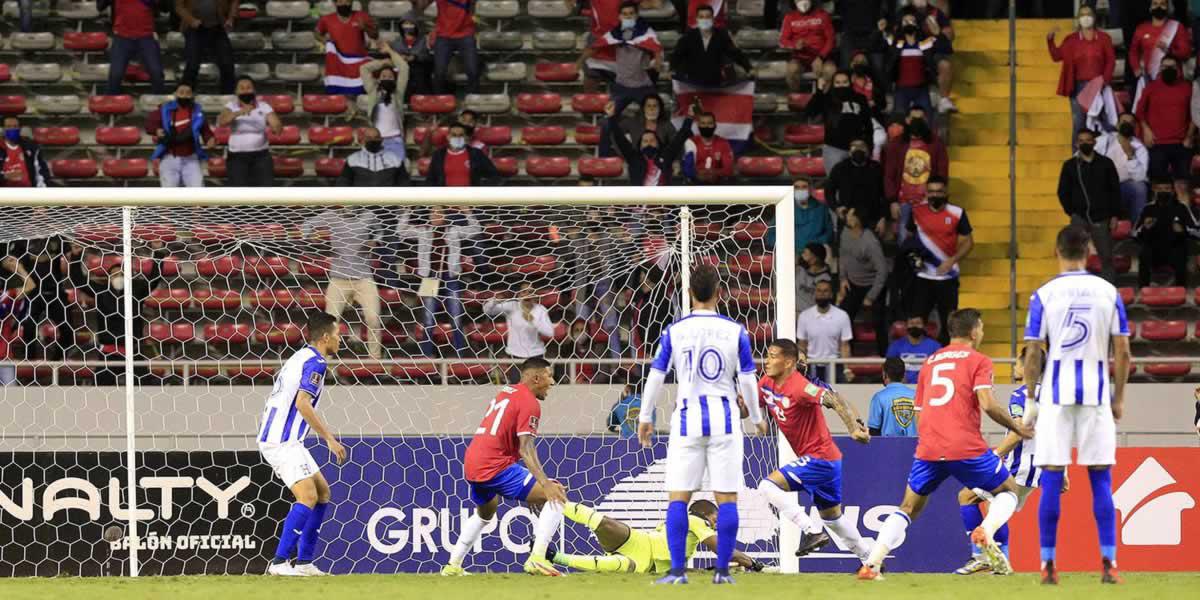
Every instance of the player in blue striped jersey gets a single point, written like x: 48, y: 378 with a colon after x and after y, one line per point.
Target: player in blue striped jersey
x: 289, y: 415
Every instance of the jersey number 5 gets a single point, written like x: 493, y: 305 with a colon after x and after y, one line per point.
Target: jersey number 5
x: 1075, y: 326
x: 945, y: 383
x: 498, y: 409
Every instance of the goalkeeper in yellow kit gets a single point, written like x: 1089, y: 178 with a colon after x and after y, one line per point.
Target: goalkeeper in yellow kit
x: 630, y: 550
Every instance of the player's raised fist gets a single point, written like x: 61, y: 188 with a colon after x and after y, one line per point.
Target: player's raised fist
x: 338, y: 450
x: 861, y: 436
x: 645, y: 433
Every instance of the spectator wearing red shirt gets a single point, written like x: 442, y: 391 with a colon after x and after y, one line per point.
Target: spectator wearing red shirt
x: 808, y: 33
x: 936, y: 24
x: 459, y: 164
x: 13, y: 303
x: 454, y: 33
x: 707, y: 158
x: 182, y: 137
x: 908, y: 164
x: 1156, y: 39
x: 205, y: 25
x: 133, y: 35
x: 1164, y: 111
x: 1085, y: 55
x: 21, y: 159
x: 912, y: 56
x: 344, y: 35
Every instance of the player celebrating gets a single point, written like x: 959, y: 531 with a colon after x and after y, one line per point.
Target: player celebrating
x: 953, y: 386
x: 631, y: 550
x: 281, y: 441
x: 704, y: 348
x: 1070, y: 323
x: 795, y: 404
x: 491, y: 466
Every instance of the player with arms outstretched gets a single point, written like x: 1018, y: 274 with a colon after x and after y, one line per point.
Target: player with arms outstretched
x: 795, y: 404
x: 955, y: 384
x: 632, y: 550
x: 1071, y: 322
x: 708, y: 351
x: 492, y: 467
x: 295, y: 394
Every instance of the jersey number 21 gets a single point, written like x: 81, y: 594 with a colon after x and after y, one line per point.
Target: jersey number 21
x: 498, y: 409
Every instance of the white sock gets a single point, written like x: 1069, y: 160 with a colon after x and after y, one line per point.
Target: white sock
x: 785, y: 503
x: 471, y: 530
x: 891, y: 535
x: 847, y: 531
x: 1000, y: 510
x: 547, y: 525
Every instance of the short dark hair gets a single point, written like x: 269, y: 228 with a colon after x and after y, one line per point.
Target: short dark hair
x: 629, y: 4
x: 468, y: 111
x: 703, y: 508
x: 1072, y: 242
x: 242, y: 78
x: 648, y: 97
x: 1162, y: 180
x: 842, y: 72
x: 818, y: 250
x: 320, y: 324
x: 937, y: 179
x: 458, y: 124
x: 706, y: 7
x: 706, y: 114
x: 786, y: 346
x: 963, y: 321
x: 894, y: 369
x: 533, y: 363
x: 1087, y: 131
x: 704, y: 283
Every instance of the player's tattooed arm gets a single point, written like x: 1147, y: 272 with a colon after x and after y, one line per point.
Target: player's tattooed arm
x: 849, y: 416
x: 555, y: 492
x: 305, y: 407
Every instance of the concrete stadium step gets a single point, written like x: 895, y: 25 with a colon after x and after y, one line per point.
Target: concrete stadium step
x: 1043, y: 207
x: 991, y: 284
x: 987, y: 41
x: 1046, y: 120
x: 1048, y: 104
x: 1047, y: 221
x: 999, y: 266
x: 999, y: 137
x: 1000, y: 233
x: 1025, y: 250
x: 1044, y: 169
x: 985, y: 300
x: 964, y: 26
x: 999, y: 152
x: 960, y: 186
x: 1026, y: 75
x: 1025, y: 58
x: 1001, y: 89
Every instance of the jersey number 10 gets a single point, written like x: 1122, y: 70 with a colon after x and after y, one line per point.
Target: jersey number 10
x: 498, y: 409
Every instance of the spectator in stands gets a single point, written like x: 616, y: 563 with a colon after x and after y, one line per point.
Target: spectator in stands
x: 651, y: 164
x: 623, y: 417
x: 21, y: 162
x: 342, y: 35
x: 863, y: 272
x: 636, y: 51
x: 1089, y: 190
x: 813, y: 270
x: 864, y: 81
x: 441, y: 236
x: 653, y: 117
x: 182, y: 139
x: 248, y: 162
x: 707, y: 157
x: 594, y: 275
x: 703, y: 54
x: 863, y: 22
x: 468, y: 119
x: 808, y: 33
x: 857, y: 184
x: 720, y: 10
x: 1131, y: 159
x: 913, y: 347
x: 653, y: 306
x: 205, y: 25
x: 109, y: 293
x: 845, y: 115
x: 352, y: 235
x: 823, y: 332
x: 528, y: 322
x: 413, y: 46
x: 1162, y: 234
x: 935, y: 23
x: 133, y: 35
x: 812, y: 221
x: 46, y: 261
x: 1086, y: 55
x: 892, y: 412
x: 912, y: 55
x: 13, y: 306
x: 386, y: 84
x: 1156, y: 40
x: 1164, y: 110
x: 454, y: 33
x: 908, y: 164
x: 373, y: 166
x: 459, y: 164
x: 943, y: 239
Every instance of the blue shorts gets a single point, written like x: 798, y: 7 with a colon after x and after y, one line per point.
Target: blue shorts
x: 986, y: 472
x: 822, y: 479
x: 512, y: 483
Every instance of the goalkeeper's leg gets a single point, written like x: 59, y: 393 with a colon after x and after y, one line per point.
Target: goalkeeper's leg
x: 611, y: 534
x: 612, y: 563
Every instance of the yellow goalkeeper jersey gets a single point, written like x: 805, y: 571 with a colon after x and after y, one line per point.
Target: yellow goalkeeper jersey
x: 698, y: 531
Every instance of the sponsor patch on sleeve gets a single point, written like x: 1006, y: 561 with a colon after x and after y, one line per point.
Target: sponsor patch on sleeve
x: 1016, y: 410
x: 533, y: 423
x: 314, y: 378
x: 812, y: 389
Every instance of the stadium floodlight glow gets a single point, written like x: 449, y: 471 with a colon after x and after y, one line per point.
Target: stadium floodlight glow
x: 223, y: 277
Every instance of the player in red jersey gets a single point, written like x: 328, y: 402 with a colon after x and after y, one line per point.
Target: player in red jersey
x: 794, y: 403
x: 954, y: 385
x: 492, y: 468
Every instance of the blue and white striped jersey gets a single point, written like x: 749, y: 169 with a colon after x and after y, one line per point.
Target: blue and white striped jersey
x: 1020, y: 461
x: 708, y: 351
x: 1076, y: 314
x: 281, y: 422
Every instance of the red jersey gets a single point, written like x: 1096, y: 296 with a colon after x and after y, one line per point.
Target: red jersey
x: 15, y: 163
x: 1167, y: 109
x: 1146, y: 38
x: 457, y: 167
x: 949, y: 407
x: 132, y: 19
x: 496, y: 446
x: 796, y: 408
x: 454, y: 19
x: 815, y: 29
x: 349, y: 36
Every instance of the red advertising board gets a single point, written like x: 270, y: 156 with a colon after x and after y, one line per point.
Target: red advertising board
x: 1155, y: 491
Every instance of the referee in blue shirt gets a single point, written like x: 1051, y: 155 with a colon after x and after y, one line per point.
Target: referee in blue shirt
x: 892, y: 413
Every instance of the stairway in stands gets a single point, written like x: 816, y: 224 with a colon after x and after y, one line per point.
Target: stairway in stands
x: 979, y: 166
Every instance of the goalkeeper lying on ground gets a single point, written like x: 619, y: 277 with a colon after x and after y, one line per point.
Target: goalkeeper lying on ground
x: 635, y: 551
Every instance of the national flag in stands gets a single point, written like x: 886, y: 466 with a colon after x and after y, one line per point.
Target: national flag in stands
x: 345, y: 51
x: 733, y: 105
x: 604, y: 53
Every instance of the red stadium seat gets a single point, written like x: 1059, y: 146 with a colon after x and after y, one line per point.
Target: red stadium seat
x: 289, y: 135
x: 215, y: 233
x: 587, y: 134
x: 56, y: 136
x: 126, y: 168
x: 315, y: 266
x: 556, y: 72
x: 750, y: 296
x: 170, y: 299
x: 752, y: 264
x: 1163, y: 331
x: 548, y: 166
x: 277, y: 334
x: 506, y: 165
x: 340, y: 135
x: 1121, y: 263
x: 811, y: 166
x: 1164, y: 296
x: 223, y: 266
x: 282, y: 104
x: 488, y: 333
x: 760, y: 166
x: 530, y: 265
x: 252, y: 371
x: 216, y: 166
x: 866, y: 370
x: 1127, y: 295
x: 764, y: 133
x: 551, y: 135
x: 214, y: 299
x: 432, y: 105
x: 233, y: 333
x: 118, y: 136
x: 798, y: 102
x: 328, y: 166
x: 804, y: 135
x: 172, y: 332
x: 611, y: 166
x: 322, y: 104
x: 761, y: 332
x: 110, y: 105
x: 12, y: 105
x: 747, y: 232
x: 539, y: 103
x: 85, y: 41
x: 589, y: 104
x: 266, y: 266
x: 73, y: 168
x: 5, y: 74
x: 288, y: 166
x: 440, y: 136
x: 221, y: 134
x: 1123, y: 230
x: 864, y: 332
x: 470, y: 372
x: 416, y: 371
x: 136, y: 73
x: 1168, y: 369
x: 498, y: 135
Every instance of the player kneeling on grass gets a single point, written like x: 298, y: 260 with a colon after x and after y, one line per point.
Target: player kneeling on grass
x: 631, y: 550
x: 794, y: 403
x: 281, y: 440
x: 491, y: 466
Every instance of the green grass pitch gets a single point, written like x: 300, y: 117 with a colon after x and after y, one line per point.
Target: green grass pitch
x: 1158, y: 586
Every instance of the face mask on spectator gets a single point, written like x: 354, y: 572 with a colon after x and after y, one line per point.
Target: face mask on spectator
x: 246, y: 98
x: 859, y: 156
x: 804, y: 5
x: 938, y: 202
x: 916, y: 332
x: 909, y: 29
x: 628, y: 23
x: 824, y: 302
x: 918, y: 128
x: 800, y: 196
x: 704, y: 24
x: 1169, y: 75
x: 373, y: 146
x: 1126, y: 129
x: 388, y: 85
x: 458, y: 143
x: 707, y: 132
x: 861, y: 69
x: 184, y: 102
x: 1158, y: 12
x: 12, y: 134
x: 1087, y: 21
x: 1087, y: 149
x: 1163, y: 197
x: 650, y: 152
x: 344, y: 10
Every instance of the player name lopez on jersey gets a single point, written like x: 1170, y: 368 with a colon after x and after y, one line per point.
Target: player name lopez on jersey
x: 946, y: 396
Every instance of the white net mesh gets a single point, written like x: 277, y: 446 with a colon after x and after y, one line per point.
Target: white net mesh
x: 437, y: 303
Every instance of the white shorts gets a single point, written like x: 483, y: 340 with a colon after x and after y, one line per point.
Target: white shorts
x: 687, y: 458
x: 292, y: 462
x: 1061, y: 427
